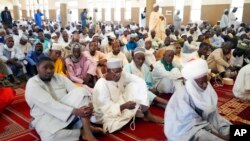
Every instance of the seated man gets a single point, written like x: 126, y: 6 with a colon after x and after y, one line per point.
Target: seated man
x: 12, y: 56
x: 241, y: 87
x: 192, y: 113
x: 118, y: 96
x: 188, y: 47
x: 33, y: 57
x: 81, y: 69
x: 41, y: 38
x: 116, y: 52
x: 138, y: 68
x: 218, y: 60
x: 131, y: 45
x: 99, y: 57
x: 167, y: 77
x: 58, y: 108
x: 150, y: 59
x: 55, y: 54
x: 24, y: 45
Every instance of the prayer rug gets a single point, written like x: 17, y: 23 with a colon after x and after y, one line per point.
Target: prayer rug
x: 14, y: 122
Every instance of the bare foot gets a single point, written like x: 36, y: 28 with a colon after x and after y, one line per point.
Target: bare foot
x: 96, y: 130
x: 153, y: 118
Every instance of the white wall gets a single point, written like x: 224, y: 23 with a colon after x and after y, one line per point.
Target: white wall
x: 213, y: 2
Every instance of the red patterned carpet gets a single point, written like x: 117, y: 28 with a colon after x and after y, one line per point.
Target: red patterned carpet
x: 14, y: 122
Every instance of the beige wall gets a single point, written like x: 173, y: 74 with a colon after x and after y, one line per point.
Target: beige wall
x: 52, y: 14
x: 169, y: 18
x: 24, y: 14
x: 135, y: 14
x: 246, y: 12
x: 186, y: 15
x: 213, y: 13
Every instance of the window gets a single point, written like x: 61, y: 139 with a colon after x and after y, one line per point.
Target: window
x: 108, y: 5
x: 117, y: 12
x: 128, y: 10
x: 33, y: 5
x: 196, y: 10
x: 239, y: 4
x: 179, y: 5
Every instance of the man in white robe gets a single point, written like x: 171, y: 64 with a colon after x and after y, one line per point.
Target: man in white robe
x: 241, y: 87
x: 192, y: 113
x: 177, y: 20
x: 59, y: 108
x: 157, y: 22
x: 224, y: 22
x: 233, y: 18
x: 116, y: 98
x: 167, y: 77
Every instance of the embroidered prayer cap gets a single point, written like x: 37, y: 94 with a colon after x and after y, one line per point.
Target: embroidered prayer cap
x: 242, y: 45
x: 133, y: 35
x: 114, y: 63
x: 53, y: 35
x: 24, y: 38
x: 170, y: 48
x: 195, y: 68
x: 7, y: 37
x: 139, y: 50
x: 56, y: 46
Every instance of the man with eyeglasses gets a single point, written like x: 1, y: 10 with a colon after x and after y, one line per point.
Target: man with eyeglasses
x: 119, y: 97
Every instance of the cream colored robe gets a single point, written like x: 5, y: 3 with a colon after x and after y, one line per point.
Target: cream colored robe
x: 108, y: 96
x: 155, y: 23
x: 51, y: 107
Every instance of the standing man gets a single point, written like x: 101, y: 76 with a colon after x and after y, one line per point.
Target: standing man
x: 6, y: 18
x: 143, y: 18
x: 232, y: 17
x: 177, y: 20
x: 84, y: 18
x: 157, y: 22
x: 38, y: 18
x: 224, y: 22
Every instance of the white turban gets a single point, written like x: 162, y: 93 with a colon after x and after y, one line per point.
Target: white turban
x: 114, y: 63
x: 195, y: 69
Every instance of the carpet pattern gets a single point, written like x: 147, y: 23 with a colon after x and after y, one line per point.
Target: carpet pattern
x: 14, y: 122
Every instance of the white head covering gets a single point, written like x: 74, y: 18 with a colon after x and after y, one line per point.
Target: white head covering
x: 53, y: 34
x: 226, y: 10
x: 144, y: 32
x: 139, y: 50
x: 114, y: 63
x: 205, y: 100
x: 195, y: 69
x: 24, y: 37
x: 155, y: 5
x: 56, y: 46
x: 111, y: 35
x: 133, y: 35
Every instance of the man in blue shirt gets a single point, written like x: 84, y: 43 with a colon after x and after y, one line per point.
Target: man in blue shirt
x: 131, y: 45
x: 38, y: 18
x: 84, y: 18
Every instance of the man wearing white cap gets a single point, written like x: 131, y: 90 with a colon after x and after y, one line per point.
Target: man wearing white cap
x: 157, y: 22
x: 118, y: 96
x: 233, y: 18
x: 224, y: 22
x: 138, y: 68
x: 24, y: 45
x: 192, y: 113
x: 55, y: 54
x: 167, y: 77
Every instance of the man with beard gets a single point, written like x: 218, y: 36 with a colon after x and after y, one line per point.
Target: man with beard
x: 116, y: 53
x: 58, y: 107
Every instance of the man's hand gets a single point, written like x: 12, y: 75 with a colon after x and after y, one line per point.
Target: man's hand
x: 128, y: 105
x: 162, y: 18
x: 84, y: 111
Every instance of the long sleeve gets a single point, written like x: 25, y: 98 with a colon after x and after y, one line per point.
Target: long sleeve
x: 159, y: 72
x: 218, y: 57
x: 102, y: 100
x: 71, y: 72
x: 38, y: 96
x: 19, y: 54
x: 2, y: 57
